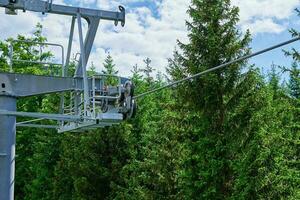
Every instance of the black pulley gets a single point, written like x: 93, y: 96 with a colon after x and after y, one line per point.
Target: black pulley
x: 129, y: 104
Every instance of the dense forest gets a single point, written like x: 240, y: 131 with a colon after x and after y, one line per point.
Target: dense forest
x: 232, y: 134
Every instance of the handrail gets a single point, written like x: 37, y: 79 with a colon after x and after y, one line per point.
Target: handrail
x: 41, y: 44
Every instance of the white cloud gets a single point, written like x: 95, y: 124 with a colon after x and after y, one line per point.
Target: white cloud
x: 11, y: 25
x: 263, y: 16
x: 144, y: 34
x: 264, y: 26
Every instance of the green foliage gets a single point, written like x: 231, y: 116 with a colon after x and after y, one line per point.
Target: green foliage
x: 90, y: 163
x: 294, y: 82
x: 274, y: 79
x: 148, y: 70
x: 214, y: 39
x: 110, y: 71
x: 226, y: 135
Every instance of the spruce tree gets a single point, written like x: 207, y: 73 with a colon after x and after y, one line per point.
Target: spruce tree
x: 110, y: 71
x: 148, y: 70
x: 274, y: 79
x: 136, y: 74
x: 294, y: 81
x: 92, y: 70
x: 214, y: 39
x: 266, y: 164
x: 274, y: 82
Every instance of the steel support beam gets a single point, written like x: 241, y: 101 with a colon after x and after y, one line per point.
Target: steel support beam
x: 103, y: 117
x: 83, y: 66
x: 38, y: 126
x: 7, y: 148
x: 70, y: 44
x: 24, y: 85
x: 58, y: 117
x: 45, y: 7
x: 93, y: 24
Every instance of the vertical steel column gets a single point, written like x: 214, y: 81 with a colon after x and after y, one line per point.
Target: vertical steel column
x: 7, y: 148
x: 67, y: 63
x: 94, y: 96
x: 83, y: 66
x: 93, y: 24
x: 65, y: 66
x: 11, y: 58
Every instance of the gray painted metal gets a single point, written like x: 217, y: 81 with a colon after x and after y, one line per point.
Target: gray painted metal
x: 84, y: 127
x: 58, y: 117
x: 38, y: 126
x: 43, y: 7
x: 7, y: 149
x: 88, y: 44
x: 91, y: 15
x: 65, y: 71
x: 24, y: 85
x: 102, y: 120
x: 83, y: 63
x: 218, y: 67
x: 106, y: 117
x: 85, y: 49
x: 29, y: 121
x: 70, y: 43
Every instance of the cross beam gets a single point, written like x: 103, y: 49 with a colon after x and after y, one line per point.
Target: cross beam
x: 49, y: 7
x: 25, y: 85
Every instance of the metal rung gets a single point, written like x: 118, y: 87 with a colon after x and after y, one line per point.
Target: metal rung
x: 36, y: 62
x: 98, y: 102
x: 3, y: 154
x: 58, y: 117
x: 38, y: 126
x: 104, y: 97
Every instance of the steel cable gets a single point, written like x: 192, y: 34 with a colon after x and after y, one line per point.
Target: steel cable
x: 218, y: 67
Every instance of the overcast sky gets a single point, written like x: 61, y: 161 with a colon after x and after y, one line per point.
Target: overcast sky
x: 152, y: 28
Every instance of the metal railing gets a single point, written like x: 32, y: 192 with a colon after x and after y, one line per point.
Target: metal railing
x: 41, y: 45
x: 102, y: 78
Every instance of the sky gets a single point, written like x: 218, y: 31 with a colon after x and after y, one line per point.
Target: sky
x: 153, y: 27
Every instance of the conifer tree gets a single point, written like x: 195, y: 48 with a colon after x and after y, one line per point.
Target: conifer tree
x: 294, y: 81
x: 274, y: 79
x: 274, y: 82
x: 92, y: 70
x: 148, y: 70
x: 213, y: 40
x: 136, y: 76
x: 109, y: 69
